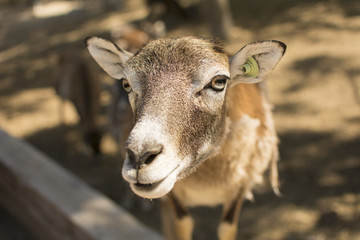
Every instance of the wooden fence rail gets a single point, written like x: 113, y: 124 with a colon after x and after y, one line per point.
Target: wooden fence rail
x: 54, y: 204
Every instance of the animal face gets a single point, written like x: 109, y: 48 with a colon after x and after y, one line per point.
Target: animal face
x: 177, y: 90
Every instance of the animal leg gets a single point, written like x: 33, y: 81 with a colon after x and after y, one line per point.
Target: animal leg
x: 229, y: 221
x: 176, y: 220
x: 61, y: 111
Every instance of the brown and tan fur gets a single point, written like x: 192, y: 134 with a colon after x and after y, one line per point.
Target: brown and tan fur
x: 236, y: 152
x: 74, y: 81
x: 195, y: 143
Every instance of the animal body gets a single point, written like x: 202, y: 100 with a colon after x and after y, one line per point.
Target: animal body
x: 203, y: 132
x: 74, y: 81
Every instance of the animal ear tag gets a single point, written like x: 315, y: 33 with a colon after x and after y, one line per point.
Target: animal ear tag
x: 250, y: 68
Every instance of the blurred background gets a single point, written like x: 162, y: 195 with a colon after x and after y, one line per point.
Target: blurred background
x: 315, y: 91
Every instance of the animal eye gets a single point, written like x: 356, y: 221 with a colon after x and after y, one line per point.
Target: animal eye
x: 218, y: 83
x: 126, y: 85
x: 250, y: 68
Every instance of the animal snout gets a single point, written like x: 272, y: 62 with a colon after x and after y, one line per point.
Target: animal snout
x: 145, y: 156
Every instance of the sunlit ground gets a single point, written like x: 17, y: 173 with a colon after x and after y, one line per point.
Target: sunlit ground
x: 56, y: 8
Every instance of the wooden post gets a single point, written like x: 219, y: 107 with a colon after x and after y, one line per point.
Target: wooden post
x: 56, y: 205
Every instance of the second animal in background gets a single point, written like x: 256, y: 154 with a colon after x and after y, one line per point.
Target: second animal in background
x: 74, y: 81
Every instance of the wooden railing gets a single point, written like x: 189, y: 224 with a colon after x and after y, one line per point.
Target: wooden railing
x: 54, y: 204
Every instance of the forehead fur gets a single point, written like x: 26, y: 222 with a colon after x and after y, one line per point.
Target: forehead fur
x: 184, y: 55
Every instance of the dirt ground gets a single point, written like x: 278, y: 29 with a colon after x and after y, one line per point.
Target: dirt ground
x: 315, y: 91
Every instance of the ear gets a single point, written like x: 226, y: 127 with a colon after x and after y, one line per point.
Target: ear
x: 254, y: 62
x: 108, y: 55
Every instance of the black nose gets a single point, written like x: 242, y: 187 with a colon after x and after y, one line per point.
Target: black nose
x: 144, y: 157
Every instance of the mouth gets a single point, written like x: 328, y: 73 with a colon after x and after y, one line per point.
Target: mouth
x: 157, y: 189
x: 147, y: 186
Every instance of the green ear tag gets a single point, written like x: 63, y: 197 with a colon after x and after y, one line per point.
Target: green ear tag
x: 250, y: 68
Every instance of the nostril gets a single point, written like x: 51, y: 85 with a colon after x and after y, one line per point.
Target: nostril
x: 150, y: 159
x: 149, y: 156
x: 139, y: 159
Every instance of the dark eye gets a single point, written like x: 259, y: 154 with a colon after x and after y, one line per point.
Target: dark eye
x: 126, y: 85
x: 218, y: 83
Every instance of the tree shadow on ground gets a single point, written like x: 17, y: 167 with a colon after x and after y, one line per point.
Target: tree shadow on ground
x: 312, y: 68
x: 30, y: 48
x: 259, y: 14
x: 307, y: 155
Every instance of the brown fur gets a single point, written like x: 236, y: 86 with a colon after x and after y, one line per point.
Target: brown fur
x: 247, y: 99
x: 242, y: 99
